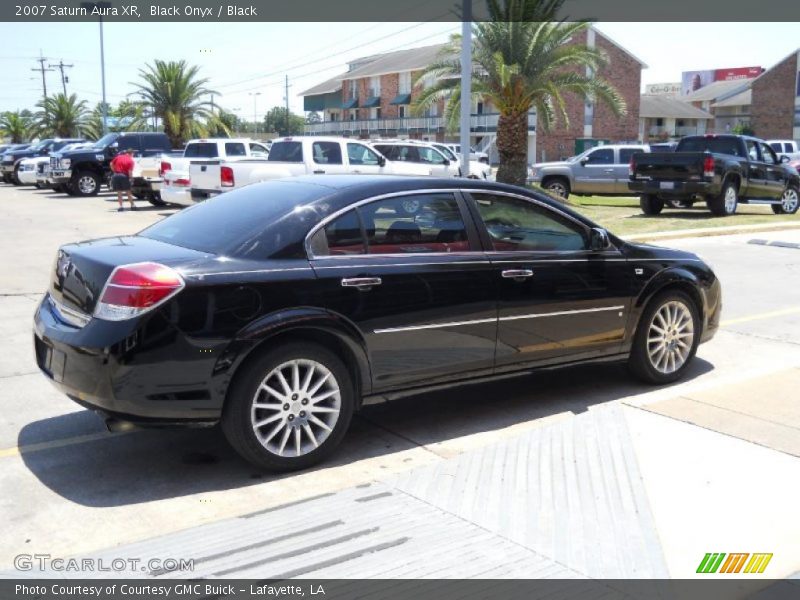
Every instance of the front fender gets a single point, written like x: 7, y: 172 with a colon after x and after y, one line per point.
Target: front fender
x: 255, y: 335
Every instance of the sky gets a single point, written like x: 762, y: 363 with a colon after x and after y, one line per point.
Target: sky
x: 246, y: 63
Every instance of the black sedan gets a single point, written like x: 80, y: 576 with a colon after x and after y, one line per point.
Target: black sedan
x: 281, y: 308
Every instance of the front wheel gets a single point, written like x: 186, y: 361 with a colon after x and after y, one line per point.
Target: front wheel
x: 666, y: 338
x: 86, y: 183
x: 558, y: 186
x: 155, y: 199
x: 789, y: 202
x: 290, y: 408
x: 651, y: 204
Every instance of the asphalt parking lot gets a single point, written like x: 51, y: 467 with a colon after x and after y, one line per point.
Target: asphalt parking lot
x: 72, y: 488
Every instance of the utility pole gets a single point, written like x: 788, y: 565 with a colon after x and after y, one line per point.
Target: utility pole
x: 64, y: 79
x: 41, y: 60
x: 286, y: 99
x: 255, y: 96
x: 466, y: 84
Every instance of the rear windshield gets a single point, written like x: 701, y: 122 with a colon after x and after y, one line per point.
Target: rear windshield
x: 268, y: 220
x: 714, y: 145
x: 286, y: 152
x: 201, y: 150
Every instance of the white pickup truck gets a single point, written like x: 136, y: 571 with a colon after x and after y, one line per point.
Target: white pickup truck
x: 288, y: 157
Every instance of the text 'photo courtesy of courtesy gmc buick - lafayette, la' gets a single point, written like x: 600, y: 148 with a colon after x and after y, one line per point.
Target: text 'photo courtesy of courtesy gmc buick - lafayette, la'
x: 722, y: 170
x: 281, y: 308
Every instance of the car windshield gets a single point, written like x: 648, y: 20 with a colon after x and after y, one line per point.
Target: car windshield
x: 106, y: 140
x: 268, y: 220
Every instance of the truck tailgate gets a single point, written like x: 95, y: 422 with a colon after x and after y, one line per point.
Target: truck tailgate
x: 205, y: 175
x: 678, y: 166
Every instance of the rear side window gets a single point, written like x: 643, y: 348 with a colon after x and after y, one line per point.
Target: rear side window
x: 327, y: 153
x: 777, y: 146
x: 201, y: 150
x: 286, y: 152
x: 235, y: 149
x: 344, y: 236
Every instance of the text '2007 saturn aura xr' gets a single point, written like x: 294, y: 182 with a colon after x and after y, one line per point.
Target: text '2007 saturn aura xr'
x: 280, y: 308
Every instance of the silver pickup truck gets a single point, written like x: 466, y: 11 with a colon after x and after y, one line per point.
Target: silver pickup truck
x: 600, y: 171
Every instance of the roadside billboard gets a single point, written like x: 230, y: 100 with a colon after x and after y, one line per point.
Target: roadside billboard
x: 691, y: 81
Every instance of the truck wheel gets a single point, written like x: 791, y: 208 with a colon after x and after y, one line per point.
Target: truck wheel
x: 15, y: 177
x: 651, y: 204
x: 155, y: 199
x: 725, y: 204
x: 666, y: 338
x: 290, y: 408
x: 789, y: 202
x: 86, y: 183
x: 558, y: 186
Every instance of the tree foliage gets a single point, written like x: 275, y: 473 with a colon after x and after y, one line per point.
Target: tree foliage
x: 16, y: 126
x: 283, y: 122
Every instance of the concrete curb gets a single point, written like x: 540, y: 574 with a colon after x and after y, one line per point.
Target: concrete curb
x: 716, y: 231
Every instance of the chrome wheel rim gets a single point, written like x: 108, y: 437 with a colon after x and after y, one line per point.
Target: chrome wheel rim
x: 86, y: 184
x: 789, y: 200
x: 558, y: 189
x: 670, y: 337
x: 295, y: 408
x: 730, y: 199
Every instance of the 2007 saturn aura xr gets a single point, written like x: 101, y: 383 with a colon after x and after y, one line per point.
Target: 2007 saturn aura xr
x: 279, y: 308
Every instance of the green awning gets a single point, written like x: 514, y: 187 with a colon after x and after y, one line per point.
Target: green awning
x: 372, y: 102
x: 401, y: 99
x: 348, y: 104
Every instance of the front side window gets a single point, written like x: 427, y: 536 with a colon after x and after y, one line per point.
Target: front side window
x: 327, y: 153
x: 358, y: 154
x: 518, y: 225
x: 604, y: 156
x: 429, y: 155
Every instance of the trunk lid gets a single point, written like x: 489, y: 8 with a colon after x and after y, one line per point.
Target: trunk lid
x: 81, y: 270
x: 670, y: 165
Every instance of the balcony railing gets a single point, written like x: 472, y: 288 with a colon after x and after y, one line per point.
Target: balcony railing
x: 478, y: 123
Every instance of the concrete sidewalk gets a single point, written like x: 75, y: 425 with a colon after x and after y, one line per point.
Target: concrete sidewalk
x: 618, y: 491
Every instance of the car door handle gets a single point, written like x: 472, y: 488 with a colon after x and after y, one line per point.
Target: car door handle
x: 518, y: 274
x: 361, y: 283
x: 319, y: 172
x: 608, y: 170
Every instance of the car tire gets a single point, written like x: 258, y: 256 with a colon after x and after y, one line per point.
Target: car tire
x: 558, y: 186
x: 666, y: 338
x: 790, y: 201
x: 726, y: 203
x: 651, y: 204
x: 15, y: 176
x: 86, y: 183
x: 274, y: 445
x: 155, y: 199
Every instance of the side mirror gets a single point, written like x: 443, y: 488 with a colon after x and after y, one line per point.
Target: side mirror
x: 381, y: 161
x: 584, y: 162
x: 446, y: 163
x: 785, y: 159
x: 599, y: 239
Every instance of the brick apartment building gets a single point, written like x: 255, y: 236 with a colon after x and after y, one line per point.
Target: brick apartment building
x: 373, y: 99
x: 775, y: 111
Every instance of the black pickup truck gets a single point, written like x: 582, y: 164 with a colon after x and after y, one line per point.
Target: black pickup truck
x: 723, y: 170
x: 10, y: 161
x: 83, y: 172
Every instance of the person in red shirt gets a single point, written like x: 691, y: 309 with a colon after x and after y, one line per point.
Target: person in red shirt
x: 122, y: 167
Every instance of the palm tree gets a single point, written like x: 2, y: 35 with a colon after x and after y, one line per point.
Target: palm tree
x: 178, y: 97
x: 61, y: 115
x: 16, y: 126
x: 522, y: 60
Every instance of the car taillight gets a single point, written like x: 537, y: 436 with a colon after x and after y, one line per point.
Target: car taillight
x: 632, y: 167
x: 708, y: 166
x: 226, y: 177
x: 165, y: 166
x: 135, y: 289
x: 183, y: 181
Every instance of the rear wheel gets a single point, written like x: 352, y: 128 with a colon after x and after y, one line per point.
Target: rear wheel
x: 651, y: 204
x: 155, y: 199
x: 789, y: 202
x: 15, y: 177
x: 666, y: 339
x: 726, y: 203
x: 558, y: 186
x: 290, y: 408
x: 86, y: 183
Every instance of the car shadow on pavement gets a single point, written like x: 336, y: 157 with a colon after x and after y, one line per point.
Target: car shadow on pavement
x: 73, y: 456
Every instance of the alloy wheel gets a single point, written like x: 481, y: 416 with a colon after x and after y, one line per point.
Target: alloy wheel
x: 296, y: 408
x: 789, y: 200
x: 670, y: 337
x: 87, y: 184
x: 730, y: 199
x: 558, y: 189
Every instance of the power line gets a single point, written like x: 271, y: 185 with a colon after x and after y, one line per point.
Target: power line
x: 64, y: 78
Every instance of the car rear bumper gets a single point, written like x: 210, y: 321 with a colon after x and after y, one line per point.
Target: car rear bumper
x: 109, y: 367
x: 670, y: 188
x: 180, y: 196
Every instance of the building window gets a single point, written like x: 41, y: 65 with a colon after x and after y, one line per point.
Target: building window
x: 659, y: 122
x: 479, y: 108
x: 353, y: 85
x: 404, y: 85
x: 401, y: 111
x: 334, y: 116
x: 352, y: 115
x: 374, y: 113
x: 374, y: 86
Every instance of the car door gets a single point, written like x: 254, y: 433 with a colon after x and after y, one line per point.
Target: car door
x: 326, y: 157
x: 557, y: 300
x: 408, y: 272
x: 756, y: 172
x: 775, y: 173
x: 364, y: 160
x: 594, y: 173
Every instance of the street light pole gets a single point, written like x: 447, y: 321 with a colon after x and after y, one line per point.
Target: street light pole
x: 255, y: 96
x: 466, y: 84
x: 103, y: 7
